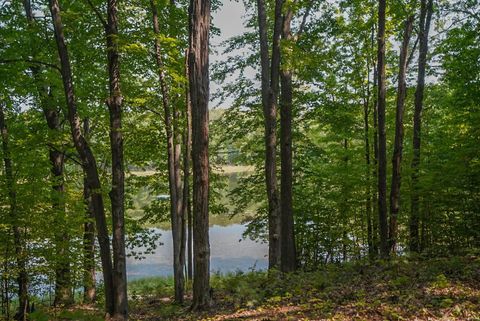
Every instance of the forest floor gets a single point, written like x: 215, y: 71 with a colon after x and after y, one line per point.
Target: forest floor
x: 401, y: 289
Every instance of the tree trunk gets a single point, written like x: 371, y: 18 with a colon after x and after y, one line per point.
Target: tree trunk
x: 5, y: 286
x: 89, y: 288
x: 398, y: 144
x: 173, y: 166
x: 186, y: 210
x: 270, y: 85
x: 117, y: 193
x: 180, y: 238
x: 88, y: 160
x: 199, y: 94
x: 382, y: 139
x: 190, y: 238
x: 375, y: 233
x: 63, y: 282
x: 180, y: 228
x: 20, y: 252
x: 344, y: 206
x: 63, y: 286
x: 368, y: 196
x: 288, y: 259
x: 425, y: 19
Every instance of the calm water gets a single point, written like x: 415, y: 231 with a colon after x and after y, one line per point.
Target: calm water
x: 229, y: 252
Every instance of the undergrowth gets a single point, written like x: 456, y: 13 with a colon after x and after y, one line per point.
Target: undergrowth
x: 398, y: 289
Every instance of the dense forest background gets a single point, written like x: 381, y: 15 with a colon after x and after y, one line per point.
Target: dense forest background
x: 353, y: 128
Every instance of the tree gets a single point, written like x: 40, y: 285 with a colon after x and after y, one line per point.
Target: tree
x: 19, y: 243
x: 270, y: 87
x: 398, y: 145
x: 199, y: 95
x: 382, y: 139
x: 117, y: 193
x: 87, y: 158
x: 426, y: 11
x: 372, y: 251
x: 63, y: 286
x: 176, y: 214
x: 89, y: 288
x: 186, y: 203
x: 287, y: 234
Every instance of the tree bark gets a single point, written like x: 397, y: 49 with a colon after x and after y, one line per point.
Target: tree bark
x: 382, y: 139
x: 173, y: 166
x: 180, y: 228
x: 186, y: 209
x: 88, y: 160
x: 398, y: 144
x: 117, y: 193
x: 375, y: 233
x: 368, y: 196
x: 19, y: 242
x: 199, y: 94
x: 190, y: 238
x: 270, y: 85
x: 425, y: 20
x: 288, y: 257
x: 89, y: 282
x: 344, y: 206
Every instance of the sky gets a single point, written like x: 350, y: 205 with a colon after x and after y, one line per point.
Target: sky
x: 229, y: 19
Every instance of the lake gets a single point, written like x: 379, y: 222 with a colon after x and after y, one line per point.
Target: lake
x: 229, y: 252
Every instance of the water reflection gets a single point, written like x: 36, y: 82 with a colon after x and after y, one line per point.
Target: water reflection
x: 228, y: 253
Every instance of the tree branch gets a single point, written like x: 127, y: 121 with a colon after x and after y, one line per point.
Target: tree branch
x: 470, y: 14
x: 97, y: 13
x: 413, y: 51
x: 152, y: 111
x: 30, y: 61
x: 64, y: 153
x: 304, y: 18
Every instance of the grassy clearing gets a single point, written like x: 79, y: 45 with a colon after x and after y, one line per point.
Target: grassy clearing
x: 151, y: 287
x: 416, y: 289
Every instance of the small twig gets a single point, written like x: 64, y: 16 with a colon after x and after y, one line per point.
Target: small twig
x: 152, y: 111
x: 30, y: 61
x: 409, y: 60
x: 71, y: 157
x: 471, y: 14
x: 97, y: 13
x: 304, y: 19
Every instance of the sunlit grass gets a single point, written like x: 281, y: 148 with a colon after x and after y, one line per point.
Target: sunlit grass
x: 151, y: 286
